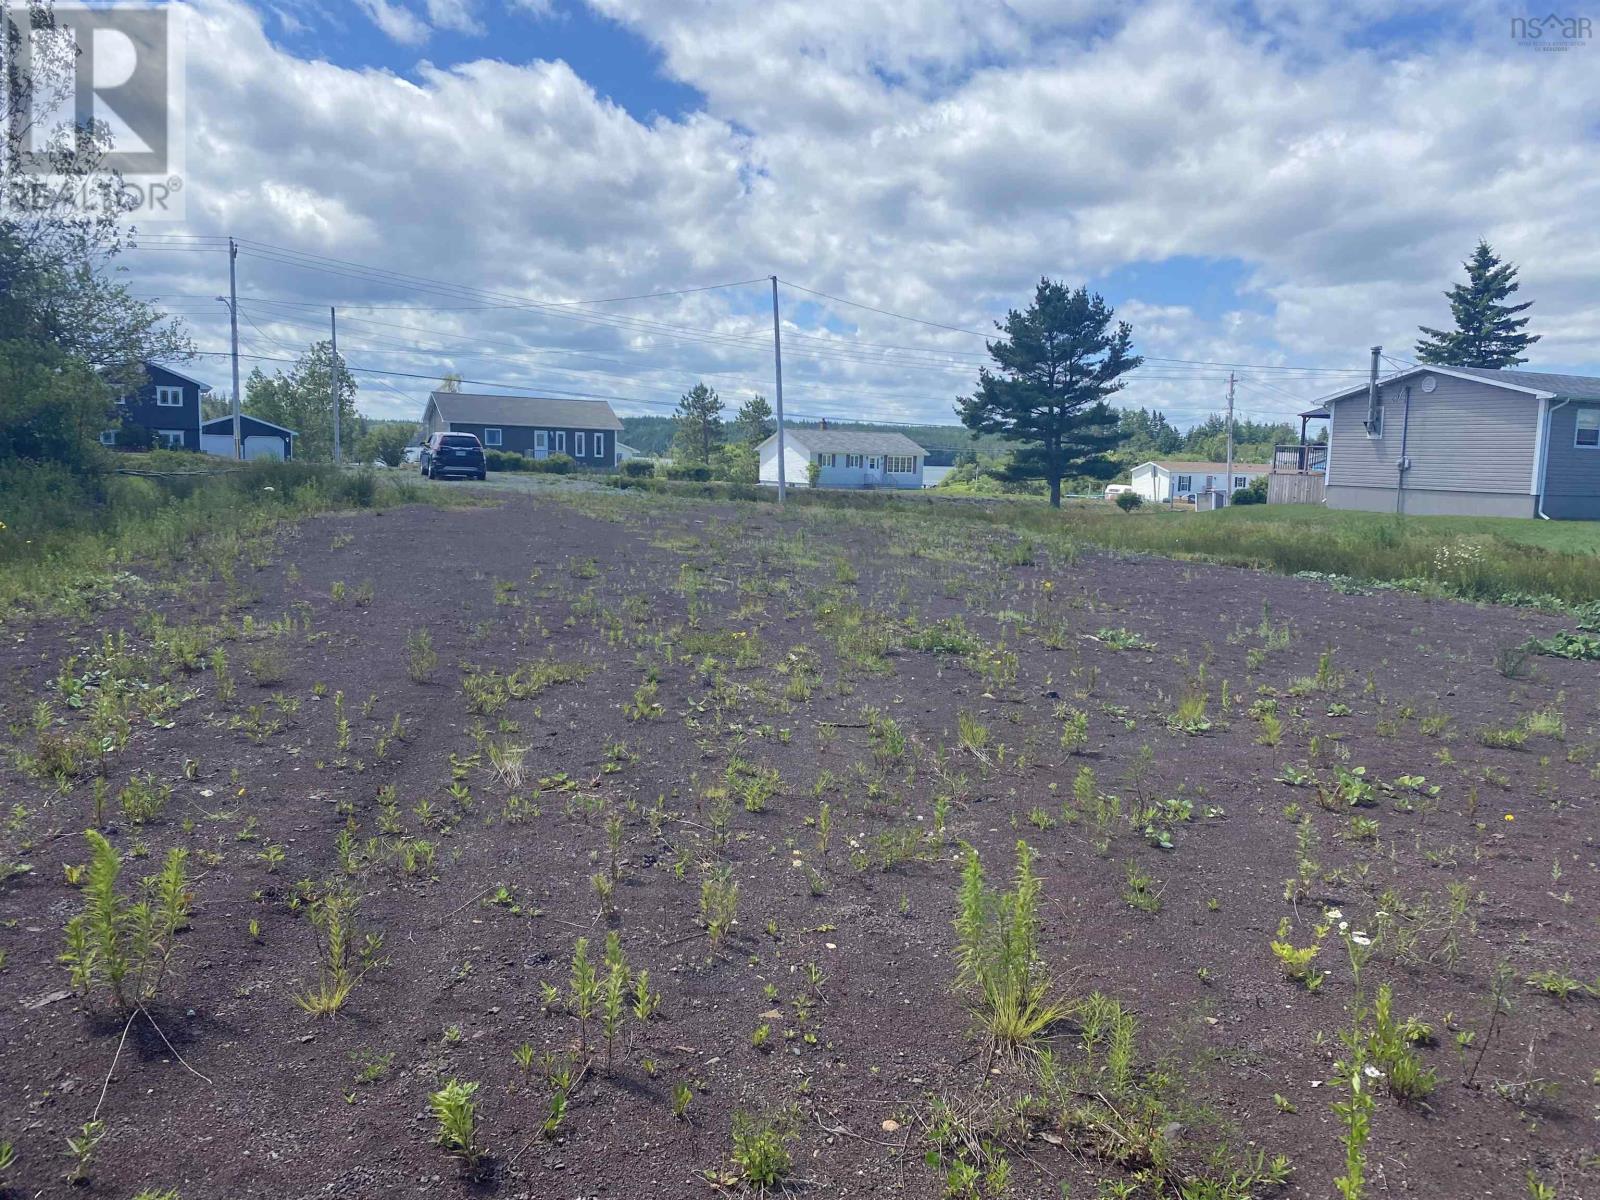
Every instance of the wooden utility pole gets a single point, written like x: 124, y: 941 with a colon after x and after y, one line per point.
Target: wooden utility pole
x: 233, y: 321
x: 1227, y: 487
x: 333, y: 375
x: 777, y: 370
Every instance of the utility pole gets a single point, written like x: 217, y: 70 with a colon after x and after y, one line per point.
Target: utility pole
x: 333, y: 376
x: 233, y: 321
x: 1227, y: 490
x: 777, y: 368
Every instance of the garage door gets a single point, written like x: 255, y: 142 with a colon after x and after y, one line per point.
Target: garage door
x: 217, y: 443
x: 263, y: 446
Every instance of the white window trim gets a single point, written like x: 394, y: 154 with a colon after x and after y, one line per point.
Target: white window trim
x: 492, y: 437
x: 599, y: 445
x: 108, y: 437
x: 171, y: 438
x: 561, y: 441
x: 1182, y: 485
x: 165, y: 391
x: 578, y: 444
x: 1577, y: 428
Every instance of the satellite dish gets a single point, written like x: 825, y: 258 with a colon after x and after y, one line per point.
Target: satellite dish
x: 1429, y: 383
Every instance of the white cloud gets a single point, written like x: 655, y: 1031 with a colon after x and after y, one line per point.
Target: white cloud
x: 928, y: 157
x: 457, y: 15
x: 395, y: 21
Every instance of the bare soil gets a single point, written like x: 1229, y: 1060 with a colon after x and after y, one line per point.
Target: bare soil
x: 242, y: 1094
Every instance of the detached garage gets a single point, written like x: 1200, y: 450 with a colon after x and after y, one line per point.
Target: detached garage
x: 262, y: 439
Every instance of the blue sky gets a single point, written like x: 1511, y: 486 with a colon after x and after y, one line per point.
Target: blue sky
x: 618, y: 64
x: 1276, y: 184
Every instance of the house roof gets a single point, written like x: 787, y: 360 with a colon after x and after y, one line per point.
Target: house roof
x: 540, y: 411
x: 850, y: 441
x: 226, y: 422
x: 1578, y: 387
x: 199, y: 383
x: 1203, y: 468
x: 1539, y: 384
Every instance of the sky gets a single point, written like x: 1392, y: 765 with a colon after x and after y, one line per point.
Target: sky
x: 1264, y: 186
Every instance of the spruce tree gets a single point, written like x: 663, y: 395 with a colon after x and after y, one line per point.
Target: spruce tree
x: 1058, y: 363
x: 1488, y: 331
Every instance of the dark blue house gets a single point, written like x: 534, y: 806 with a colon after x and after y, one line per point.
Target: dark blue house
x: 536, y: 426
x: 168, y: 405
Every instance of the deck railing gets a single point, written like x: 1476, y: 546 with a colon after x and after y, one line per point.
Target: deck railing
x: 1300, y: 458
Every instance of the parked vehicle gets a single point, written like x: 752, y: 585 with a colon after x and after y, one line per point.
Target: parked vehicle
x: 412, y: 455
x: 1114, y: 490
x: 446, y: 454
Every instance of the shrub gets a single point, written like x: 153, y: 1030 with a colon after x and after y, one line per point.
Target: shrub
x: 1128, y: 501
x: 126, y: 946
x: 556, y: 464
x: 502, y: 460
x: 691, y: 473
x: 638, y: 468
x: 1256, y: 493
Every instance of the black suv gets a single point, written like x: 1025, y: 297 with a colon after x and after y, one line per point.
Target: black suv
x: 446, y: 454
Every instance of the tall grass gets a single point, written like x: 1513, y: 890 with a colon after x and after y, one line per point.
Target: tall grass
x: 67, y: 535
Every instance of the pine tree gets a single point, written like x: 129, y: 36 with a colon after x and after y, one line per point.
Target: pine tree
x: 755, y: 421
x: 697, y: 426
x: 1058, y: 362
x: 1488, y: 332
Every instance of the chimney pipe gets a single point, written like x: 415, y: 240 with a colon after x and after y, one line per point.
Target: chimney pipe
x: 1372, y: 391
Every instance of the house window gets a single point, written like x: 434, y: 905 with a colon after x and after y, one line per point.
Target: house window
x: 108, y: 438
x: 491, y: 437
x: 875, y: 462
x: 599, y: 445
x: 901, y: 464
x: 578, y: 445
x: 169, y: 397
x: 852, y: 460
x: 1588, y: 435
x: 561, y: 441
x: 1185, y: 484
x: 1240, y: 481
x: 172, y: 439
x: 825, y: 460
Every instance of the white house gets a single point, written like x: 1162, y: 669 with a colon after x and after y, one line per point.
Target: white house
x: 845, y: 458
x: 1165, y: 481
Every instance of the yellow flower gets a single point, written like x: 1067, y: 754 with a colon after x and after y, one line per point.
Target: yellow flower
x: 1509, y: 817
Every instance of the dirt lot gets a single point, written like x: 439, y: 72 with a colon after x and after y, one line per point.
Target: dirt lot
x: 707, y: 681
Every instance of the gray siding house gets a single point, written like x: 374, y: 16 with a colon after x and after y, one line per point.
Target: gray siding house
x: 584, y: 430
x: 1468, y: 441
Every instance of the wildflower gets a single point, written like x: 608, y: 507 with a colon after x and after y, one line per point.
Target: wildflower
x: 1510, y: 817
x: 1333, y: 914
x: 1372, y: 1072
x: 1360, y: 939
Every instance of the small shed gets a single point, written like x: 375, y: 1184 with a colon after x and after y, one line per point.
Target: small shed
x: 261, y: 439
